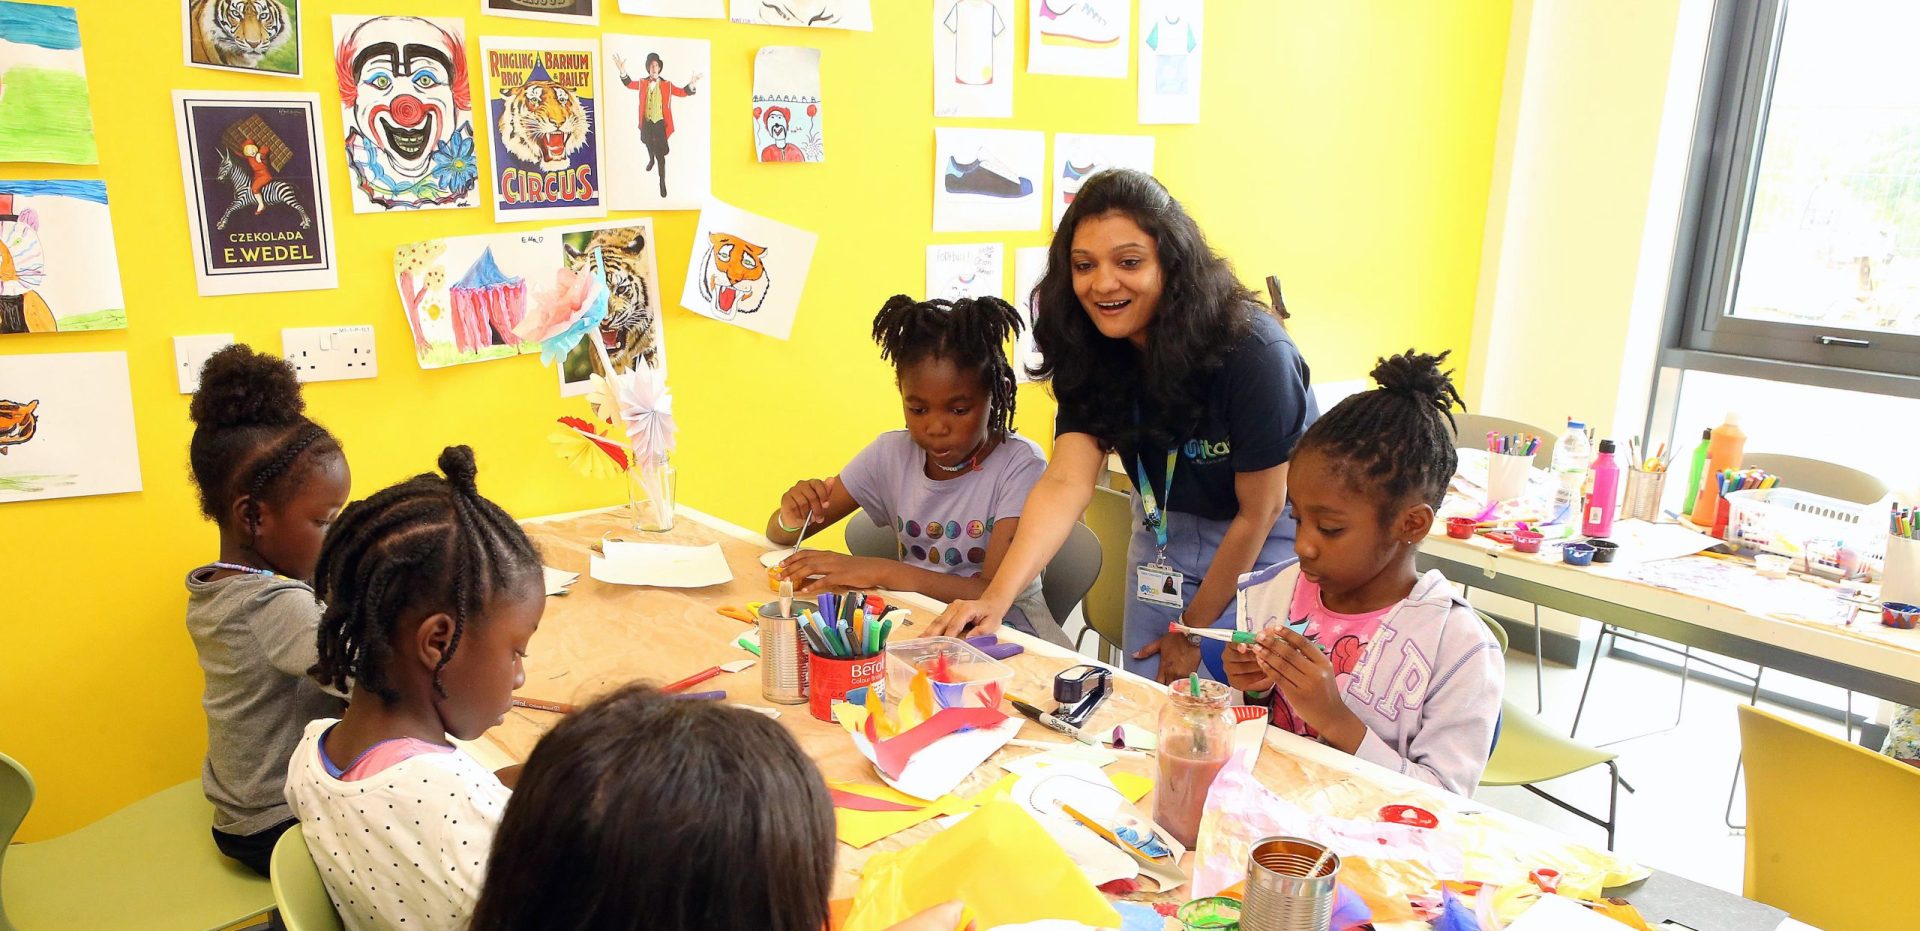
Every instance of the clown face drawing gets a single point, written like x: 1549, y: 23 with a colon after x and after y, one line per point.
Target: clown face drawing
x: 407, y: 109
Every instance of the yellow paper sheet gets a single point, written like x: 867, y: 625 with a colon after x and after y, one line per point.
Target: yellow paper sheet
x: 860, y: 828
x: 999, y: 861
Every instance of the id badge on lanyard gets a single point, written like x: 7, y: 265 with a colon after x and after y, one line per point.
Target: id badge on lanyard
x: 1160, y: 583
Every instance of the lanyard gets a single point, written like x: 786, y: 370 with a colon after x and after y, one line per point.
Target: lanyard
x: 1156, y: 513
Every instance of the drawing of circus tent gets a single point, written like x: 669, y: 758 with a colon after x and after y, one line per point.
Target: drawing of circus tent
x: 487, y: 305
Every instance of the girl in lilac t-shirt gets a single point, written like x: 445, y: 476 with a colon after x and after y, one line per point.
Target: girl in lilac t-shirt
x: 951, y: 485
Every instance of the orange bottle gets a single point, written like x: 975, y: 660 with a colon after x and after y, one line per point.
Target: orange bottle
x: 1729, y: 443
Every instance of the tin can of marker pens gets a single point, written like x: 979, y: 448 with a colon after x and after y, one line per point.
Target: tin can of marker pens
x: 783, y: 659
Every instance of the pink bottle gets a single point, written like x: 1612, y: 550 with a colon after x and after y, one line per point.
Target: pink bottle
x: 1605, y: 500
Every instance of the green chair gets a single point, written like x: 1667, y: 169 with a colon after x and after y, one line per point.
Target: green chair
x: 298, y: 891
x: 150, y: 865
x: 1526, y: 751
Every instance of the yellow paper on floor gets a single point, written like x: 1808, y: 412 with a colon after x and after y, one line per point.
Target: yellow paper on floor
x: 999, y: 861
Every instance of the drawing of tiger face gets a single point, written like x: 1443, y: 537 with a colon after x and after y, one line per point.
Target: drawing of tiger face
x: 17, y: 423
x: 735, y: 279
x: 542, y: 123
x: 631, y: 328
x: 238, y: 33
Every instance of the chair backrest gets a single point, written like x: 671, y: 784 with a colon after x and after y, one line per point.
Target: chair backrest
x: 1821, y: 478
x: 866, y: 538
x: 1822, y: 840
x: 1470, y: 431
x: 16, y: 796
x: 1499, y: 632
x: 298, y: 891
x: 1070, y: 574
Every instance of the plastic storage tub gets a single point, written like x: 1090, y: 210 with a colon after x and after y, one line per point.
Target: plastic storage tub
x: 962, y: 676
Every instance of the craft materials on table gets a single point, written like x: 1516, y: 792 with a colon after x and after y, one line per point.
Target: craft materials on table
x: 850, y: 626
x: 1080, y: 690
x: 1512, y: 444
x: 1196, y: 737
x: 556, y: 581
x: 920, y: 748
x: 659, y: 565
x: 738, y: 665
x: 1211, y: 633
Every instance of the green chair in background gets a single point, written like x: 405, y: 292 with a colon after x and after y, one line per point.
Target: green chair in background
x: 298, y: 891
x: 151, y: 865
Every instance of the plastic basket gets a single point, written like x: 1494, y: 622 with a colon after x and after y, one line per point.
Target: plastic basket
x: 1786, y: 521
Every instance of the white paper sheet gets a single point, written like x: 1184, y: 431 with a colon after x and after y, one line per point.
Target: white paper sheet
x: 66, y: 422
x: 818, y: 14
x: 1559, y: 913
x: 558, y: 580
x: 1079, y: 156
x: 987, y: 179
x: 747, y: 270
x: 1641, y: 542
x: 1089, y: 38
x: 660, y: 565
x: 1171, y: 49
x: 973, y: 58
x: 684, y: 9
x: 1073, y: 753
x: 965, y: 270
x: 1029, y: 266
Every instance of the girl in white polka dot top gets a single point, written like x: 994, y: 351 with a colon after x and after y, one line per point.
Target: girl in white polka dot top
x: 432, y: 594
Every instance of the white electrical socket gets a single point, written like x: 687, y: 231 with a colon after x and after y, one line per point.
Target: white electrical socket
x: 330, y: 353
x: 191, y: 352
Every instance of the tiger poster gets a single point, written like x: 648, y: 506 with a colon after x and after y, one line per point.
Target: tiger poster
x: 254, y: 36
x: 631, y: 333
x: 747, y: 270
x: 541, y: 118
x: 256, y: 184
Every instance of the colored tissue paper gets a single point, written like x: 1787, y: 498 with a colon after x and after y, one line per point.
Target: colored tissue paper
x: 999, y: 861
x: 865, y: 813
x: 929, y: 757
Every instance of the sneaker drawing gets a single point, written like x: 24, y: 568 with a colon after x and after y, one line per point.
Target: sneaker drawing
x: 984, y: 175
x: 1071, y: 177
x: 1076, y: 19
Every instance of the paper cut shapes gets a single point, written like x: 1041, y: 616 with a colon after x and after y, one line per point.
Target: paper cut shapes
x: 987, y: 179
x: 821, y: 14
x: 1079, y: 37
x: 787, y: 122
x: 254, y: 36
x: 747, y: 270
x: 58, y: 268
x: 543, y: 125
x: 49, y: 116
x: 973, y: 58
x: 659, y: 113
x: 256, y: 183
x: 66, y: 426
x: 580, y: 12
x: 970, y: 270
x: 405, y: 102
x: 1170, y: 55
x: 1077, y: 157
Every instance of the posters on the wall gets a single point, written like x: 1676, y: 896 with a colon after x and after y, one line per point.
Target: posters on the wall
x: 256, y: 184
x: 463, y: 295
x: 1029, y: 266
x: 254, y: 36
x: 684, y: 9
x: 821, y: 14
x: 1079, y: 156
x: 407, y: 109
x: 787, y: 117
x: 58, y: 268
x: 631, y: 332
x: 973, y: 58
x: 657, y: 122
x: 542, y: 120
x: 988, y: 179
x: 66, y: 426
x: 1171, y: 49
x: 40, y: 61
x: 958, y: 270
x: 747, y: 270
x: 579, y: 12
x: 1088, y: 38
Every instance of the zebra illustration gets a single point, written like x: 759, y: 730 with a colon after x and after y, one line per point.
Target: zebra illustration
x: 271, y: 193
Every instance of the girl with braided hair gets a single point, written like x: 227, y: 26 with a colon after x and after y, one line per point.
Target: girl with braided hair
x: 1380, y: 661
x: 272, y: 481
x: 432, y: 595
x: 951, y: 485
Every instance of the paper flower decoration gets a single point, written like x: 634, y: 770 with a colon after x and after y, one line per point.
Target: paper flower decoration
x: 587, y: 450
x: 559, y: 318
x: 644, y: 405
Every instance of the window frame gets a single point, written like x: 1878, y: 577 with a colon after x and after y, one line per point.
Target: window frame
x: 1736, y: 90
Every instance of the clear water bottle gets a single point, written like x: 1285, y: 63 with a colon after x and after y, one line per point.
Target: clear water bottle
x: 1572, y: 455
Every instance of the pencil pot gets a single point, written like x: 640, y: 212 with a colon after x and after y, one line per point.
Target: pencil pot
x: 1643, y: 494
x: 1507, y: 476
x: 829, y: 679
x: 1280, y: 894
x: 783, y: 661
x: 1901, y: 581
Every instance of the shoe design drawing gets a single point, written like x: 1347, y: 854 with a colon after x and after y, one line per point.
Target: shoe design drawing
x: 1078, y: 20
x: 985, y: 176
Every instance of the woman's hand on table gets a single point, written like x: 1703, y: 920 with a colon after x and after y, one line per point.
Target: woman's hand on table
x: 965, y: 619
x: 938, y: 918
x: 1178, y: 658
x: 1306, y: 678
x: 1244, y: 671
x: 813, y: 571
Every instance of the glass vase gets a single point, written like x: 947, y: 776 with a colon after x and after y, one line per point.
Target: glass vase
x: 650, y: 490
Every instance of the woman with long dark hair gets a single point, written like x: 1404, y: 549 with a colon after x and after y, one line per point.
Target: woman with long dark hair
x: 1155, y: 351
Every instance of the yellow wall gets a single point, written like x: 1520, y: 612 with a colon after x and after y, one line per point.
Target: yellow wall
x: 1346, y: 146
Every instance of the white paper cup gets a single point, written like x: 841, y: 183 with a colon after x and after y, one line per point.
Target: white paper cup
x: 1902, y: 579
x: 1507, y: 476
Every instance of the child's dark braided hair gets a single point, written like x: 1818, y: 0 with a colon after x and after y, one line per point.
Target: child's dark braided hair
x: 1397, y: 437
x: 971, y: 332
x: 426, y: 545
x: 250, y: 436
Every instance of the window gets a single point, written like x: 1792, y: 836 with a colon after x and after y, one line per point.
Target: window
x: 1799, y: 254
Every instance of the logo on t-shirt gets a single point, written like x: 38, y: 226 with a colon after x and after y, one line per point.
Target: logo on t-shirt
x: 1205, y: 453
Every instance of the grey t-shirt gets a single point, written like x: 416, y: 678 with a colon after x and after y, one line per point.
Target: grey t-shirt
x: 256, y: 637
x: 947, y: 525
